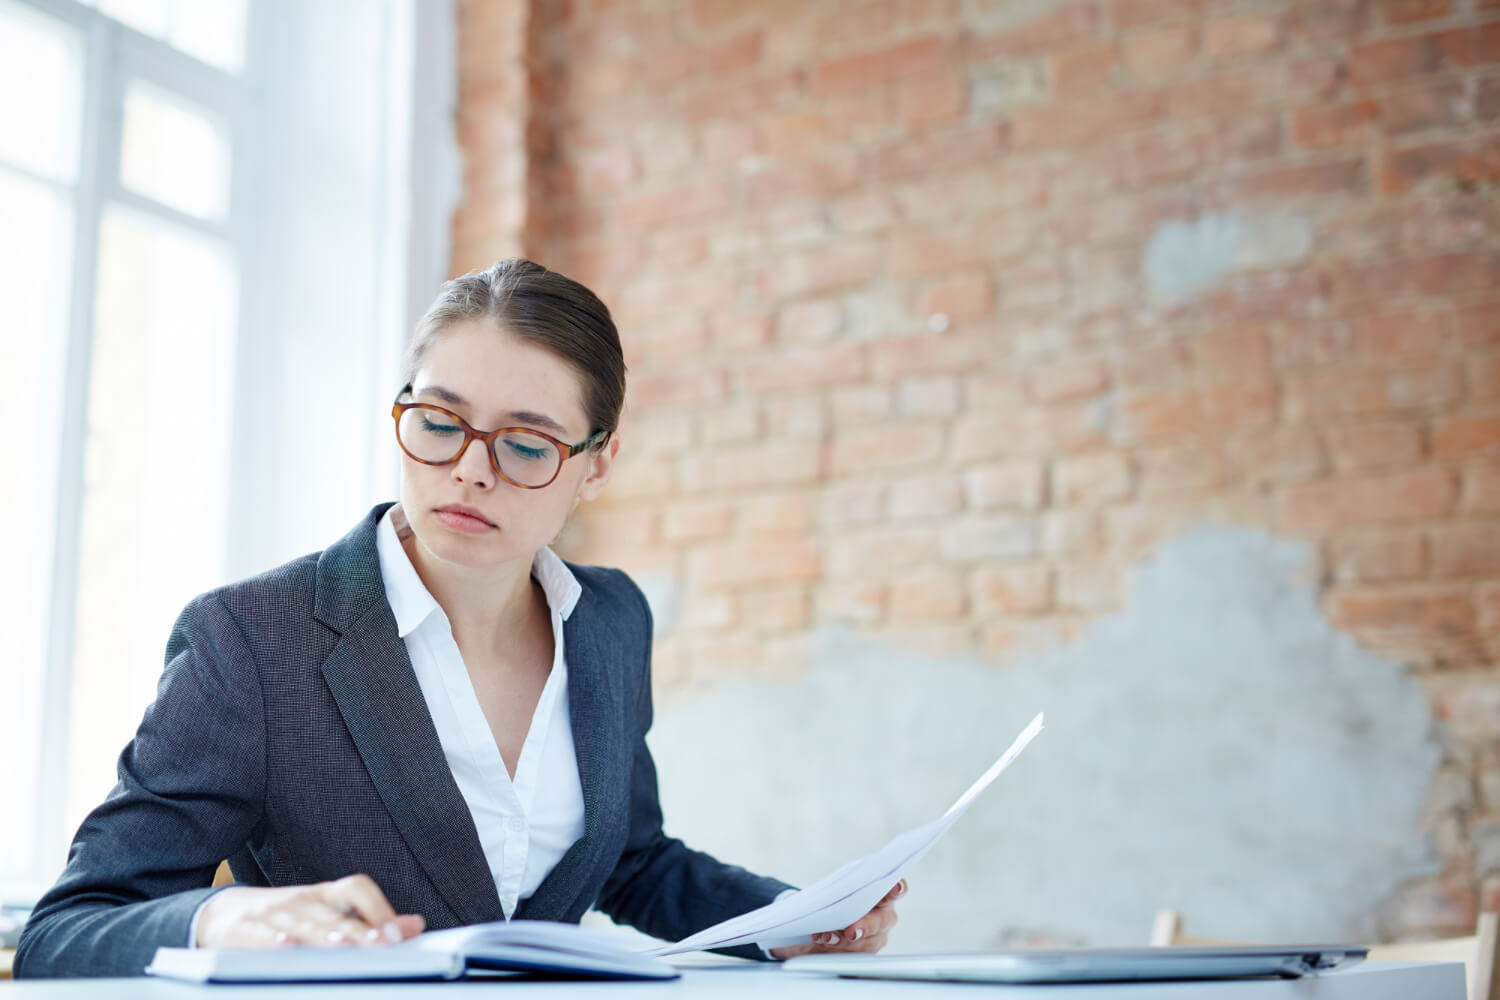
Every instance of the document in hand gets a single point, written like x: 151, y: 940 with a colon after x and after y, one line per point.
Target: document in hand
x: 516, y: 946
x: 839, y: 899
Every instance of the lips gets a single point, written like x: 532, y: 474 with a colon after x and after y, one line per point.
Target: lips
x: 465, y: 519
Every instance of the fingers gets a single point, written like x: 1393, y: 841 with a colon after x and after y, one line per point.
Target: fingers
x: 897, y: 891
x: 349, y: 911
x: 366, y: 914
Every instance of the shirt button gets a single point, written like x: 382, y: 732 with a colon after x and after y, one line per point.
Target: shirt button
x: 516, y: 824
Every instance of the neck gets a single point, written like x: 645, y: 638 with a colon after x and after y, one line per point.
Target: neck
x: 483, y: 605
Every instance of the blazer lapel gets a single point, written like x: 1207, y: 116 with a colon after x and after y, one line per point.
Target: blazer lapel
x: 591, y: 706
x: 372, y: 681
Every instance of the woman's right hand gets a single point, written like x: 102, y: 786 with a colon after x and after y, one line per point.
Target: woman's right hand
x: 348, y: 911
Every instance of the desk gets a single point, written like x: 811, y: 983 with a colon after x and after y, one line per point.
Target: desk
x: 1367, y: 981
x: 6, y: 954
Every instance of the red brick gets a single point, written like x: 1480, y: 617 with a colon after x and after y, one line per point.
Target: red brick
x: 777, y: 514
x: 1221, y: 94
x: 1244, y: 349
x: 1161, y: 154
x: 1073, y: 123
x: 1084, y: 70
x: 1477, y: 326
x: 1240, y: 34
x: 896, y: 447
x: 1068, y: 379
x: 1484, y: 378
x: 1181, y: 470
x: 1334, y: 124
x: 688, y: 200
x: 997, y: 590
x: 931, y: 152
x: 693, y: 522
x: 930, y: 496
x: 1337, y: 177
x: 670, y: 389
x: 726, y: 424
x: 871, y: 553
x: 926, y: 596
x: 1489, y: 606
x: 1487, y: 100
x: 919, y: 254
x: 1468, y: 163
x: 1481, y: 488
x: 1019, y: 485
x: 1279, y: 455
x: 796, y: 132
x: 1324, y: 392
x: 1237, y: 405
x: 819, y: 179
x: 1408, y: 11
x: 1466, y: 437
x: 959, y: 296
x: 1160, y: 51
x: 762, y: 560
x: 774, y: 609
x: 932, y: 100
x: 1378, y: 558
x: 1439, y: 276
x: 836, y: 363
x: 734, y: 333
x: 1364, y: 447
x: 1061, y: 25
x: 1415, y: 109
x: 1401, y: 335
x: 800, y: 419
x: 1433, y: 611
x: 1128, y: 13
x: 773, y: 463
x: 875, y: 67
x: 1417, y: 494
x: 927, y: 353
x: 739, y: 97
x: 851, y: 265
x: 1430, y: 907
x: 1471, y: 549
x: 1168, y: 413
x: 1382, y: 62
x: 1092, y: 478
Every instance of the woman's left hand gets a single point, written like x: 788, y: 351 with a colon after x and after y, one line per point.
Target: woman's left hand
x: 868, y: 933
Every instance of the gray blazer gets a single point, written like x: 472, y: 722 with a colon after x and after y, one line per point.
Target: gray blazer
x: 289, y: 735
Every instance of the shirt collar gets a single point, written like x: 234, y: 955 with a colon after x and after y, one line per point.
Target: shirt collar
x: 411, y: 604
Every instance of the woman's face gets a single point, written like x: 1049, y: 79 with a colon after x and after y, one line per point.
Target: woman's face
x: 492, y: 380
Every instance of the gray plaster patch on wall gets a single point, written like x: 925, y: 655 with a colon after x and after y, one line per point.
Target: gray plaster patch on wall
x: 1215, y: 747
x: 1186, y: 257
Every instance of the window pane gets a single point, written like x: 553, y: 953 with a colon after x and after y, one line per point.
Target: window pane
x: 175, y: 153
x: 211, y: 30
x: 155, y: 475
x: 40, y: 69
x: 35, y: 246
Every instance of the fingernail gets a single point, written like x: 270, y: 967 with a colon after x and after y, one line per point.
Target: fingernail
x: 374, y: 935
x: 859, y: 932
x: 833, y: 939
x: 391, y: 931
x: 336, y: 937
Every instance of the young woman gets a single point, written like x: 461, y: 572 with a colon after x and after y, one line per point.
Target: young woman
x: 435, y: 721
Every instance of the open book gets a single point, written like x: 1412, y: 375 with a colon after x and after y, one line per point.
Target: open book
x: 517, y: 946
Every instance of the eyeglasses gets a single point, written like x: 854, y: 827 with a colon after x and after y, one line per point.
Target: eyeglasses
x: 521, y: 456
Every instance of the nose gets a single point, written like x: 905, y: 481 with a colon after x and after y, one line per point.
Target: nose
x: 473, y: 466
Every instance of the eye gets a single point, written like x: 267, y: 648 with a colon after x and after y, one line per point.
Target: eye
x: 432, y: 424
x: 527, y: 452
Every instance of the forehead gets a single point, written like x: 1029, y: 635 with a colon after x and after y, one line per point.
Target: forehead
x: 497, y: 373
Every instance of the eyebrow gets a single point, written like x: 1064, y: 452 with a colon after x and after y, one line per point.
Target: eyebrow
x: 520, y: 416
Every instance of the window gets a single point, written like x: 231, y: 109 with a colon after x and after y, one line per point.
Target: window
x: 157, y: 180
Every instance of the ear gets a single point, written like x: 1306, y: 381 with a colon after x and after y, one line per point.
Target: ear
x: 601, y: 462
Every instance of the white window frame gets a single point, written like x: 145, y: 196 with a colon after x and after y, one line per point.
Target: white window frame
x: 398, y: 258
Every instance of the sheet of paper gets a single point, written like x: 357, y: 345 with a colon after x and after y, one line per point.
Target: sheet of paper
x: 843, y: 896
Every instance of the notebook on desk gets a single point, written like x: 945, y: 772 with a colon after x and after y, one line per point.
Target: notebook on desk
x: 1083, y: 965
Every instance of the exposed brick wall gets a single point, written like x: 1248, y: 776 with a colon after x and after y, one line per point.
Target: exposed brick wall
x: 895, y: 283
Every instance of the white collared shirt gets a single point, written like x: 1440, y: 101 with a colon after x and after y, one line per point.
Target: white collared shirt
x: 525, y: 824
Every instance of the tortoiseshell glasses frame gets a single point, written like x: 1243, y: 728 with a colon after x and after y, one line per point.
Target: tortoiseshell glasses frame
x: 565, y: 451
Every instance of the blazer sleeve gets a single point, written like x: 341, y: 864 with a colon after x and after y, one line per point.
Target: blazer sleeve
x: 660, y: 885
x: 190, y: 791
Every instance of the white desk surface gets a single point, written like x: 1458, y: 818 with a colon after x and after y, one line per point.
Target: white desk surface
x: 1366, y: 981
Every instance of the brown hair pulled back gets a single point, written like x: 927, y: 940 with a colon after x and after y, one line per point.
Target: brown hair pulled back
x: 543, y: 308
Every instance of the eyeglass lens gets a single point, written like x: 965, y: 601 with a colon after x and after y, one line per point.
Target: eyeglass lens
x: 432, y: 436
